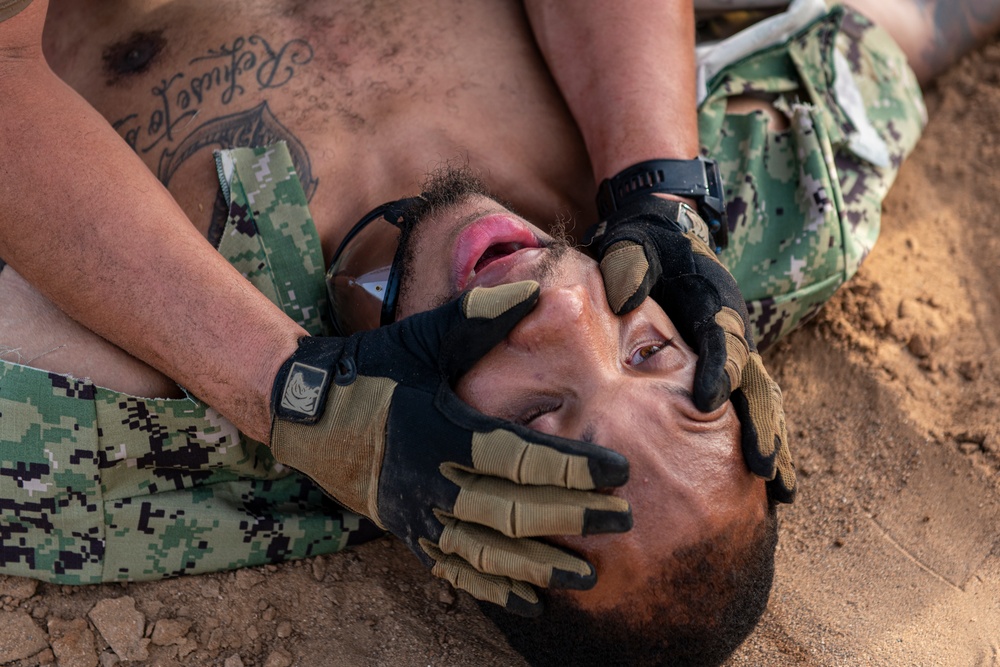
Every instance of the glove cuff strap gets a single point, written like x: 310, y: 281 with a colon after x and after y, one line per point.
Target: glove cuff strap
x: 303, y: 381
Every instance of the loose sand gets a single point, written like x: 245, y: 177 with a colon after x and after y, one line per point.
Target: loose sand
x: 890, y: 556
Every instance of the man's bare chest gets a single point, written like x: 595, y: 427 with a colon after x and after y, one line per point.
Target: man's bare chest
x: 367, y: 95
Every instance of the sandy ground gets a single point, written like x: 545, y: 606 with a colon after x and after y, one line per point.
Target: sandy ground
x: 889, y: 557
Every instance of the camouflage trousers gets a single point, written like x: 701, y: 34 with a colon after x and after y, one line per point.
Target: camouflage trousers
x: 96, y: 485
x: 805, y: 203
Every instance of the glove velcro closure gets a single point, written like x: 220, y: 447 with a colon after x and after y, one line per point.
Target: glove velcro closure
x: 524, y: 560
x: 532, y: 511
x: 351, y: 433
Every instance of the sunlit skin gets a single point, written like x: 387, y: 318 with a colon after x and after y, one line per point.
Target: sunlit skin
x: 573, y: 368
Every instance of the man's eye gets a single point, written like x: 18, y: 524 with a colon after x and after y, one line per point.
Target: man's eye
x: 528, y: 416
x: 645, y: 352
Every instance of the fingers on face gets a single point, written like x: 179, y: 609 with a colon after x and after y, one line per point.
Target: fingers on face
x: 515, y: 596
x: 532, y: 511
x: 502, y: 570
x: 624, y: 268
x: 487, y: 315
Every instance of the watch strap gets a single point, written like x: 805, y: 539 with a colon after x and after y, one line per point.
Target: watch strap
x: 696, y: 179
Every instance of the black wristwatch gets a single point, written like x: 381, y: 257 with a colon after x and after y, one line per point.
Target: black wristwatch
x: 696, y: 179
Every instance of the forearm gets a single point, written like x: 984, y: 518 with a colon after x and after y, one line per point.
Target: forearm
x: 627, y: 72
x: 90, y: 227
x: 933, y: 34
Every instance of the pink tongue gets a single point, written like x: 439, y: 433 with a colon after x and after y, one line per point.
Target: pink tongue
x: 493, y: 253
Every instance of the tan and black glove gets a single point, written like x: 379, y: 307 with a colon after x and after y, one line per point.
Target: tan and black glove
x: 373, y: 420
x: 659, y: 248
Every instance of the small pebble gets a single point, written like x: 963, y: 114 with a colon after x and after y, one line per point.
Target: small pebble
x: 920, y: 345
x: 446, y: 597
x: 278, y: 658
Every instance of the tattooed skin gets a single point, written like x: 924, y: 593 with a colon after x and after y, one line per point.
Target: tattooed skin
x: 222, y: 75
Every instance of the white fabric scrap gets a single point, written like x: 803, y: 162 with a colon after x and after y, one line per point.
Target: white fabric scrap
x: 864, y: 141
x: 713, y: 58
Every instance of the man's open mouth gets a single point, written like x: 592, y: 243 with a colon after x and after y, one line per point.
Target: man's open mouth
x: 489, y: 248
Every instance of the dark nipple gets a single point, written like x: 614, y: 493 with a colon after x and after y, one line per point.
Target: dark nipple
x: 133, y: 55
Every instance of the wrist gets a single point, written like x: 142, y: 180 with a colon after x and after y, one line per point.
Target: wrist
x: 260, y: 411
x: 696, y: 182
x: 628, y: 151
x: 684, y: 200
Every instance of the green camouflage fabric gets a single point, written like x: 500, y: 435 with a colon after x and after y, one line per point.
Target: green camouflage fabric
x: 804, y: 209
x: 270, y: 236
x: 102, y: 486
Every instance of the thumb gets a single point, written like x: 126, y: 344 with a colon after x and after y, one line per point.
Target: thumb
x: 488, y: 314
x: 456, y: 335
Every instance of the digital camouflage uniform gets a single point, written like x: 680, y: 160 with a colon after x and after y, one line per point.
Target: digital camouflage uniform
x: 804, y: 210
x: 101, y: 486
x: 96, y: 485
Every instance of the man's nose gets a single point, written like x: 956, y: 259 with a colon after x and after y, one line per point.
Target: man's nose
x: 564, y: 317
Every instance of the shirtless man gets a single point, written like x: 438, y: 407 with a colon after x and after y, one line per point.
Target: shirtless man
x: 368, y: 100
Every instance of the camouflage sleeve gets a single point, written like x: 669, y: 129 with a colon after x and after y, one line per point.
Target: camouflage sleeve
x: 9, y: 8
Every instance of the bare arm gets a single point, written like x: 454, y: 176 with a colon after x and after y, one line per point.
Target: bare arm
x: 90, y: 227
x: 934, y: 34
x: 627, y: 71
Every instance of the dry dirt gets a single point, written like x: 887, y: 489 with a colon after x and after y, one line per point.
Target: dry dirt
x: 890, y: 556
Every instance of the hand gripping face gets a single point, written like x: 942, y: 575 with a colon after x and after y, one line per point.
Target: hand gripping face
x: 654, y: 247
x: 372, y: 418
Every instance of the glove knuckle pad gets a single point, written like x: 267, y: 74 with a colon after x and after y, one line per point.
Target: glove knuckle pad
x: 623, y: 268
x: 502, y: 453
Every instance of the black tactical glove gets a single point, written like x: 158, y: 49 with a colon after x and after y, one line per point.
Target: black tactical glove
x: 660, y: 248
x: 373, y: 420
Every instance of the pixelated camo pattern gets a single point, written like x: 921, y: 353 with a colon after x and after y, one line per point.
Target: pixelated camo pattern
x: 102, y: 486
x: 804, y: 211
x: 270, y: 236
